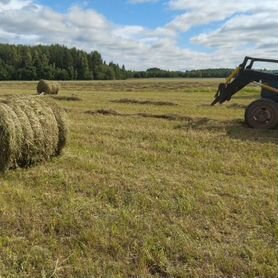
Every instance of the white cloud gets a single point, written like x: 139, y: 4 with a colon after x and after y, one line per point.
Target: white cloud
x: 249, y: 28
x: 241, y: 31
x: 202, y: 12
x: 6, y: 5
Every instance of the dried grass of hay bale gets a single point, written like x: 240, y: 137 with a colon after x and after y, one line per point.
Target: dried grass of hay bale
x: 62, y: 121
x: 48, y: 87
x: 31, y: 130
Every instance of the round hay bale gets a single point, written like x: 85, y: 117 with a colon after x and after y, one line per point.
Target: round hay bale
x: 62, y: 121
x: 27, y: 143
x: 29, y: 132
x: 48, y: 125
x: 48, y: 87
x: 9, y: 138
x: 43, y: 126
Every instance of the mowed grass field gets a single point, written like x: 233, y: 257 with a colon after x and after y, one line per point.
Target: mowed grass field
x: 153, y: 183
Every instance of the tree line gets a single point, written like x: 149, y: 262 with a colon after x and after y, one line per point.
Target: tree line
x: 56, y: 62
x: 201, y: 73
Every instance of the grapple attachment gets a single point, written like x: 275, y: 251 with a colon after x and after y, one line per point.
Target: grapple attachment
x: 223, y: 93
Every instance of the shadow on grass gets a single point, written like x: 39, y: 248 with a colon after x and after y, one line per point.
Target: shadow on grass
x: 237, y: 106
x: 230, y: 106
x: 247, y: 96
x: 245, y: 133
x: 235, y: 129
x: 148, y: 102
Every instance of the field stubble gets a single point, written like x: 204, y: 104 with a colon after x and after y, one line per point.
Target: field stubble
x: 145, y: 190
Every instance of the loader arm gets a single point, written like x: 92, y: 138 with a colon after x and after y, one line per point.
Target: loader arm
x: 242, y: 76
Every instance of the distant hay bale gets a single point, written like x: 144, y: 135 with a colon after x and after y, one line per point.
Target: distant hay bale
x: 48, y: 87
x: 31, y: 130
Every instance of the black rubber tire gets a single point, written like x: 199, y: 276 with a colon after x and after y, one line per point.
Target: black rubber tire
x: 262, y: 113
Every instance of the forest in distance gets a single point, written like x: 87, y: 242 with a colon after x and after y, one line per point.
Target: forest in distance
x: 57, y: 62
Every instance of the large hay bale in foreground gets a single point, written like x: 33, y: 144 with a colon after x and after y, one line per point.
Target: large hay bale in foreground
x: 48, y: 87
x: 31, y: 130
x: 61, y: 118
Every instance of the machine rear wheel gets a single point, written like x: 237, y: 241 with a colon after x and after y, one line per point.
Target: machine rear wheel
x: 262, y: 113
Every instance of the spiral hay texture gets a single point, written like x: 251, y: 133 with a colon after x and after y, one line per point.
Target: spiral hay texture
x: 48, y: 87
x: 31, y: 130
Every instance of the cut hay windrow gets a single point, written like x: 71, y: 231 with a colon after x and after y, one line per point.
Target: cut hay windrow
x: 31, y: 130
x: 48, y: 87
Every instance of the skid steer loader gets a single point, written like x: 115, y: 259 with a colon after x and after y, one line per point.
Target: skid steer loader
x: 263, y: 112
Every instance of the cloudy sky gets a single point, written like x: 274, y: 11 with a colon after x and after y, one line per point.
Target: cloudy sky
x: 170, y: 34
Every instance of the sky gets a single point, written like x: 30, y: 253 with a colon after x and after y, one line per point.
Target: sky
x: 169, y: 34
